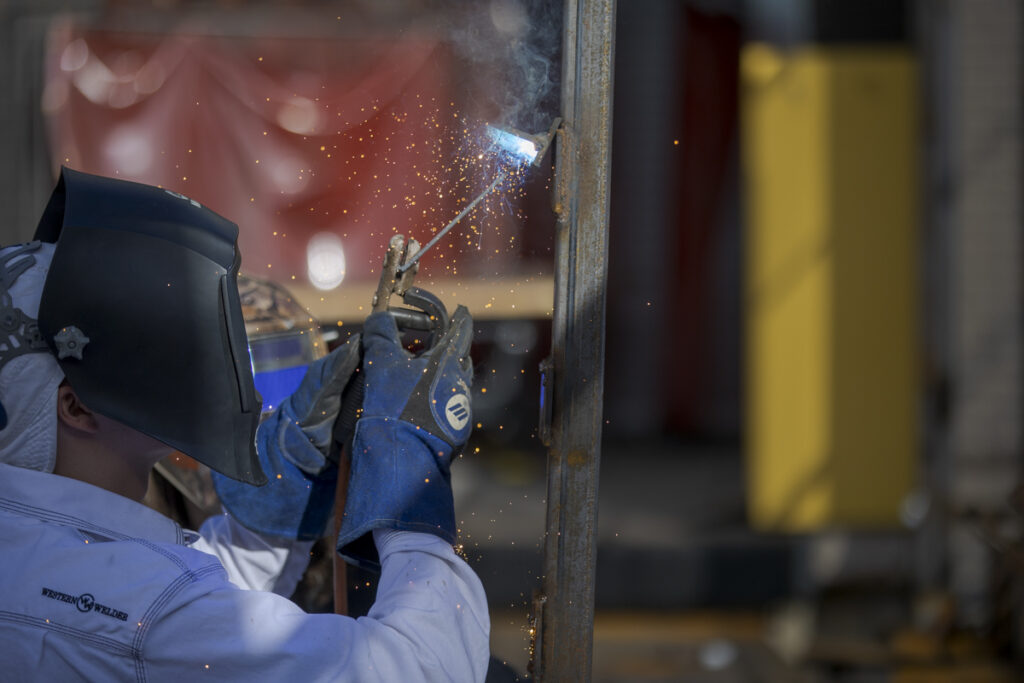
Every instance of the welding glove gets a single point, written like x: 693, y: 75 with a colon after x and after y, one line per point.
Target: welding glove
x: 298, y: 450
x: 416, y: 418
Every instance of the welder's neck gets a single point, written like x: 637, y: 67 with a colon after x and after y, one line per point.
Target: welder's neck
x: 102, y: 469
x: 101, y: 451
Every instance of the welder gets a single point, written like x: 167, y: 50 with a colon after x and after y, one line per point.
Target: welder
x: 123, y: 341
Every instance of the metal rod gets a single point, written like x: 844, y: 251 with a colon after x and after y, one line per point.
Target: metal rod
x: 582, y: 198
x: 444, y: 231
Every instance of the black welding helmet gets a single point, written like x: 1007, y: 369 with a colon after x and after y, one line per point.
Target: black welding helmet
x: 283, y: 340
x: 141, y: 309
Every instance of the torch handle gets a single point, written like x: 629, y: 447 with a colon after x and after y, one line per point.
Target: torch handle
x: 340, y: 571
x: 344, y: 428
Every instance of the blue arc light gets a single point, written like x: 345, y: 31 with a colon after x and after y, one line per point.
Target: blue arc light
x: 520, y: 148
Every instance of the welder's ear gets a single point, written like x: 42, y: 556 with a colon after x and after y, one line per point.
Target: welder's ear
x: 72, y: 412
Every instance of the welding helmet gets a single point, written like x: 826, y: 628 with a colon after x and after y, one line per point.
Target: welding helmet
x: 141, y: 309
x: 283, y: 340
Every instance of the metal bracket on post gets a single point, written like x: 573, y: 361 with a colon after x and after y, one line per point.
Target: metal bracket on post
x: 563, y: 171
x: 547, y: 382
x: 536, y: 641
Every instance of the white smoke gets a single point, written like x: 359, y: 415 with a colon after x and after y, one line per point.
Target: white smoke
x: 517, y: 43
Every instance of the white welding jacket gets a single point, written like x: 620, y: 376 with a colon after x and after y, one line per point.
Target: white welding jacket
x: 97, y: 587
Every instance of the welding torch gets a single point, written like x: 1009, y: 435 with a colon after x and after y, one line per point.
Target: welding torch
x: 515, y: 147
x: 424, y: 312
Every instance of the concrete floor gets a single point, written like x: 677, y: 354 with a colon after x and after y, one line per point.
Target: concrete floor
x: 685, y: 591
x: 671, y: 539
x: 646, y: 647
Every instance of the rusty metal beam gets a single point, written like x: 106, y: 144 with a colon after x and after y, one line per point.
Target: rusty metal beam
x: 564, y: 612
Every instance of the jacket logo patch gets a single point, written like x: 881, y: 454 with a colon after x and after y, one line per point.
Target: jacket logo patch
x: 85, y: 603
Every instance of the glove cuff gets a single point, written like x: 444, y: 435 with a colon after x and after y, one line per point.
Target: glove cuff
x: 399, y: 480
x: 297, y: 501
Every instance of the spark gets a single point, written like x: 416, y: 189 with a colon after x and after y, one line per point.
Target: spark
x: 462, y: 214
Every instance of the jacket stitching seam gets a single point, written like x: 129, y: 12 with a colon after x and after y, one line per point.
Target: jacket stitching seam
x: 162, y: 551
x: 68, y: 520
x: 158, y: 604
x: 105, y: 643
x: 50, y: 516
x: 165, y: 596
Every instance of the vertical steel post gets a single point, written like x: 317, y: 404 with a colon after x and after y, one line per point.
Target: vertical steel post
x: 565, y: 611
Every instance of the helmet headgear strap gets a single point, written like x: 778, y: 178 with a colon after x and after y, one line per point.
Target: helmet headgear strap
x: 19, y: 334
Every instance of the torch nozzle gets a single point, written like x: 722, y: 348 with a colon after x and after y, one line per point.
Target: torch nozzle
x: 523, y: 147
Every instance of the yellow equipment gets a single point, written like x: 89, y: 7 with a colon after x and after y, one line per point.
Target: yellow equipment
x: 830, y: 152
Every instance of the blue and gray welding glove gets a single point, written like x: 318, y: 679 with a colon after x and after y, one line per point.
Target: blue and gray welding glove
x: 298, y: 452
x: 416, y: 417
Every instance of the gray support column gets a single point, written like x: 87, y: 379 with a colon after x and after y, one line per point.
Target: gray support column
x: 931, y: 19
x: 986, y: 244
x: 26, y: 178
x: 646, y: 121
